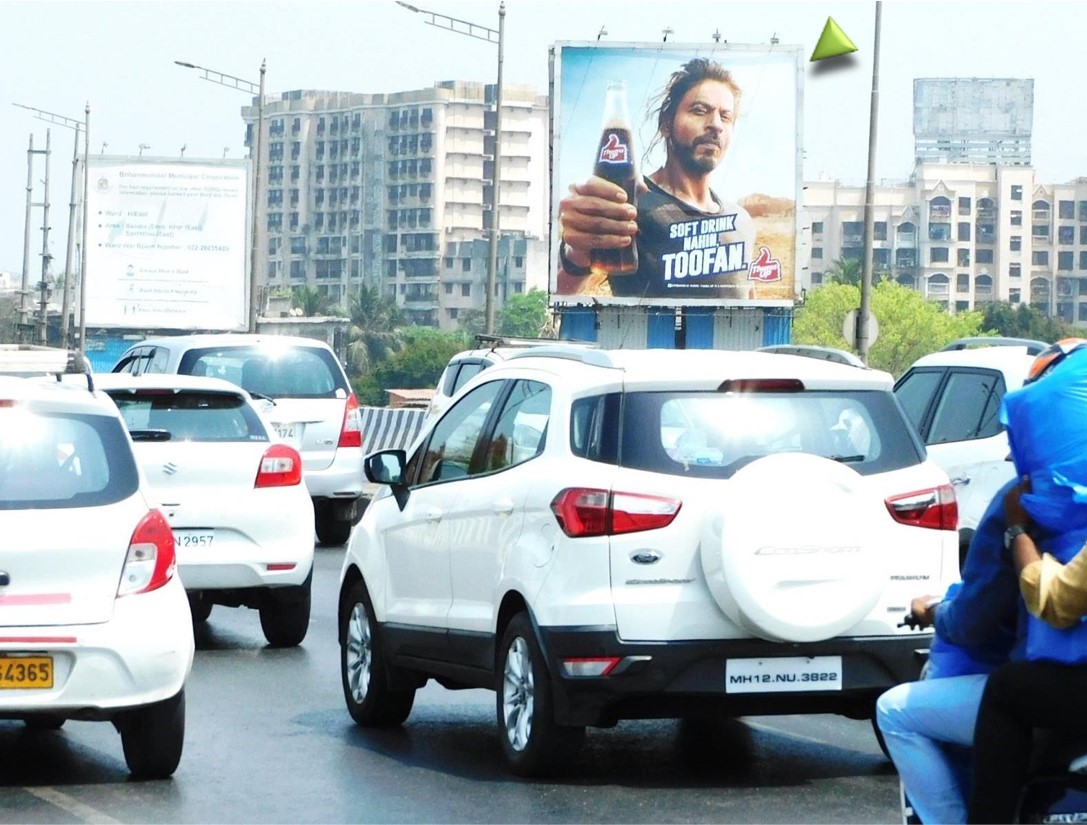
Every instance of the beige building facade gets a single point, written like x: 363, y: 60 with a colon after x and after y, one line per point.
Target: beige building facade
x: 963, y: 235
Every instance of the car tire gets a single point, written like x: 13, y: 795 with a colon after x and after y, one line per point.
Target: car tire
x: 532, y: 742
x: 199, y: 608
x: 44, y: 722
x: 153, y: 737
x: 331, y: 530
x: 363, y: 671
x: 285, y: 615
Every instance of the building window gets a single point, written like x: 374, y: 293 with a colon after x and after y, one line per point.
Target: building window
x: 879, y: 230
x: 852, y: 232
x: 1040, y: 257
x: 1017, y: 217
x: 1083, y: 236
x: 1064, y: 261
x: 1066, y: 210
x: 294, y: 221
x: 1017, y: 192
x: 298, y: 269
x: 1015, y: 270
x: 448, y: 288
x: 964, y: 232
x: 518, y: 262
x: 273, y: 268
x: 984, y: 256
x: 1083, y: 260
x: 273, y: 245
x: 939, y: 232
x: 1040, y: 230
x: 964, y: 206
x: 962, y: 282
x: 275, y: 221
x: 986, y: 233
x: 817, y: 253
x: 466, y: 265
x: 1066, y: 235
x: 963, y: 257
x: 1016, y: 243
x: 938, y: 255
x: 817, y: 228
x: 466, y: 290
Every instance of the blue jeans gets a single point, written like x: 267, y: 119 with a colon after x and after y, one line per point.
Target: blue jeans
x: 926, y: 726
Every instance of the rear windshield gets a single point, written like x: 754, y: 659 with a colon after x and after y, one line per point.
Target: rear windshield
x: 188, y: 416
x: 291, y: 372
x: 712, y: 435
x: 59, y: 460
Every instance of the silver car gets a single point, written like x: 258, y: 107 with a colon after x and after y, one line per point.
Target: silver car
x: 311, y: 406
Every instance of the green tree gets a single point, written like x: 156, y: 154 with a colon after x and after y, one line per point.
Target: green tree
x: 909, y: 326
x: 472, y: 322
x: 310, y: 300
x: 417, y: 364
x: 525, y: 315
x: 1023, y: 321
x: 376, y: 329
x: 845, y: 271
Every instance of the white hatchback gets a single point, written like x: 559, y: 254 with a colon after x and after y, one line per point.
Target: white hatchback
x: 232, y: 492
x: 599, y: 535
x: 94, y: 624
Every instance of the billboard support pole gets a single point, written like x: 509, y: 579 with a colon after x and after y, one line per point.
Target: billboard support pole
x: 43, y: 284
x: 869, y: 198
x: 83, y: 251
x: 25, y: 285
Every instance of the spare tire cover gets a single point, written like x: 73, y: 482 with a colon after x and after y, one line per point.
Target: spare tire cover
x: 794, y: 553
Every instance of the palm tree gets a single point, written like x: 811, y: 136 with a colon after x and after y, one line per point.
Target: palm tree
x: 310, y: 300
x: 846, y: 271
x: 375, y: 331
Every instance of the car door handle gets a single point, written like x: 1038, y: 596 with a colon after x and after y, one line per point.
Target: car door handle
x: 434, y: 514
x: 504, y: 506
x: 961, y: 481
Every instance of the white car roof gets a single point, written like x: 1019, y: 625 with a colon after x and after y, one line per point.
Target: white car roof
x: 700, y: 369
x: 219, y: 339
x: 72, y: 394
x: 1010, y: 360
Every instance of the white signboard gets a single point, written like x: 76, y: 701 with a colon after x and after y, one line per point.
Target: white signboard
x: 167, y: 244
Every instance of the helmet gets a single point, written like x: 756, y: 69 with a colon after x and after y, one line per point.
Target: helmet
x: 1052, y: 355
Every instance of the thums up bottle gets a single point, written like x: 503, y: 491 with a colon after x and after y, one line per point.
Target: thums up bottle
x: 615, y: 163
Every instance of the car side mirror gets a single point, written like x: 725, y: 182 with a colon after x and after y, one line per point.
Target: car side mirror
x: 386, y: 467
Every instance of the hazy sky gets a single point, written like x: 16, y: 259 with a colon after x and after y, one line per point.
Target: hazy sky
x: 118, y: 56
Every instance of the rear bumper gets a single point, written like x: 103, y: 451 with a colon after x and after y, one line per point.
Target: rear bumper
x: 142, y: 655
x: 342, y: 479
x: 674, y: 679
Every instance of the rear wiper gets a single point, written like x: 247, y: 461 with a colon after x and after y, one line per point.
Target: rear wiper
x: 262, y: 397
x: 150, y: 435
x: 846, y: 459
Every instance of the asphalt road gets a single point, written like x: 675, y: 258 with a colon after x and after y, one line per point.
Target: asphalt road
x: 268, y: 740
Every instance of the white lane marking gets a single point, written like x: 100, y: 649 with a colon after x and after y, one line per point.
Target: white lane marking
x: 84, y: 813
x: 793, y: 735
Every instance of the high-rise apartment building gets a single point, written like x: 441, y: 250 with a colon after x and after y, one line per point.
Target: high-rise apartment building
x: 394, y: 190
x: 973, y: 120
x: 963, y: 235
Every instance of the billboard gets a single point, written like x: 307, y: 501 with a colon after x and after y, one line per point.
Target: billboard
x: 167, y: 244
x: 719, y: 174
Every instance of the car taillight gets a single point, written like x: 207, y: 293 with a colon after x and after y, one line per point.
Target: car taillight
x: 280, y: 466
x: 150, y: 562
x: 351, y: 431
x: 583, y: 511
x: 936, y: 508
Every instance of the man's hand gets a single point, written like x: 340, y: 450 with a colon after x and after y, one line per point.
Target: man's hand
x: 1014, y: 513
x: 923, y: 609
x: 596, y: 215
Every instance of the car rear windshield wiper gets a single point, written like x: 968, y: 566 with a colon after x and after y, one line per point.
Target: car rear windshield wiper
x: 846, y: 459
x: 150, y: 435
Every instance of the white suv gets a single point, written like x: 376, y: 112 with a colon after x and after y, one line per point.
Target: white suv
x: 599, y: 535
x: 94, y: 624
x: 953, y: 398
x: 314, y: 410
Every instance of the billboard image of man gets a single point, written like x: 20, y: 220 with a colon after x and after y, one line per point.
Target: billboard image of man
x: 695, y: 238
x: 677, y: 213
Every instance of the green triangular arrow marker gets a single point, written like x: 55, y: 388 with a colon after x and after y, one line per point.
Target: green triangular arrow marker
x: 833, y: 42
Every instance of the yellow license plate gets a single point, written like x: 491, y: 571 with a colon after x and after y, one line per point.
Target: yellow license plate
x: 26, y: 672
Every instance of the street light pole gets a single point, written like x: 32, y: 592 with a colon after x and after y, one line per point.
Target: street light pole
x: 256, y: 89
x: 76, y: 126
x: 497, y: 37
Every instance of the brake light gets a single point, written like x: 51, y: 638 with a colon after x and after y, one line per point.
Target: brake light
x: 351, y: 431
x: 936, y: 508
x: 582, y: 512
x: 280, y: 466
x: 761, y: 385
x: 150, y: 562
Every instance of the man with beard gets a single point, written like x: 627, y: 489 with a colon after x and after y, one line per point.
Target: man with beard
x: 690, y: 242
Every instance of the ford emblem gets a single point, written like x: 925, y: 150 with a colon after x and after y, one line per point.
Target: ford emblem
x: 646, y: 557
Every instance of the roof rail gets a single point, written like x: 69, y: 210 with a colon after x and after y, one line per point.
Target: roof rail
x: 1033, y: 346
x: 586, y: 355
x: 31, y: 359
x: 838, y: 356
x: 493, y: 341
